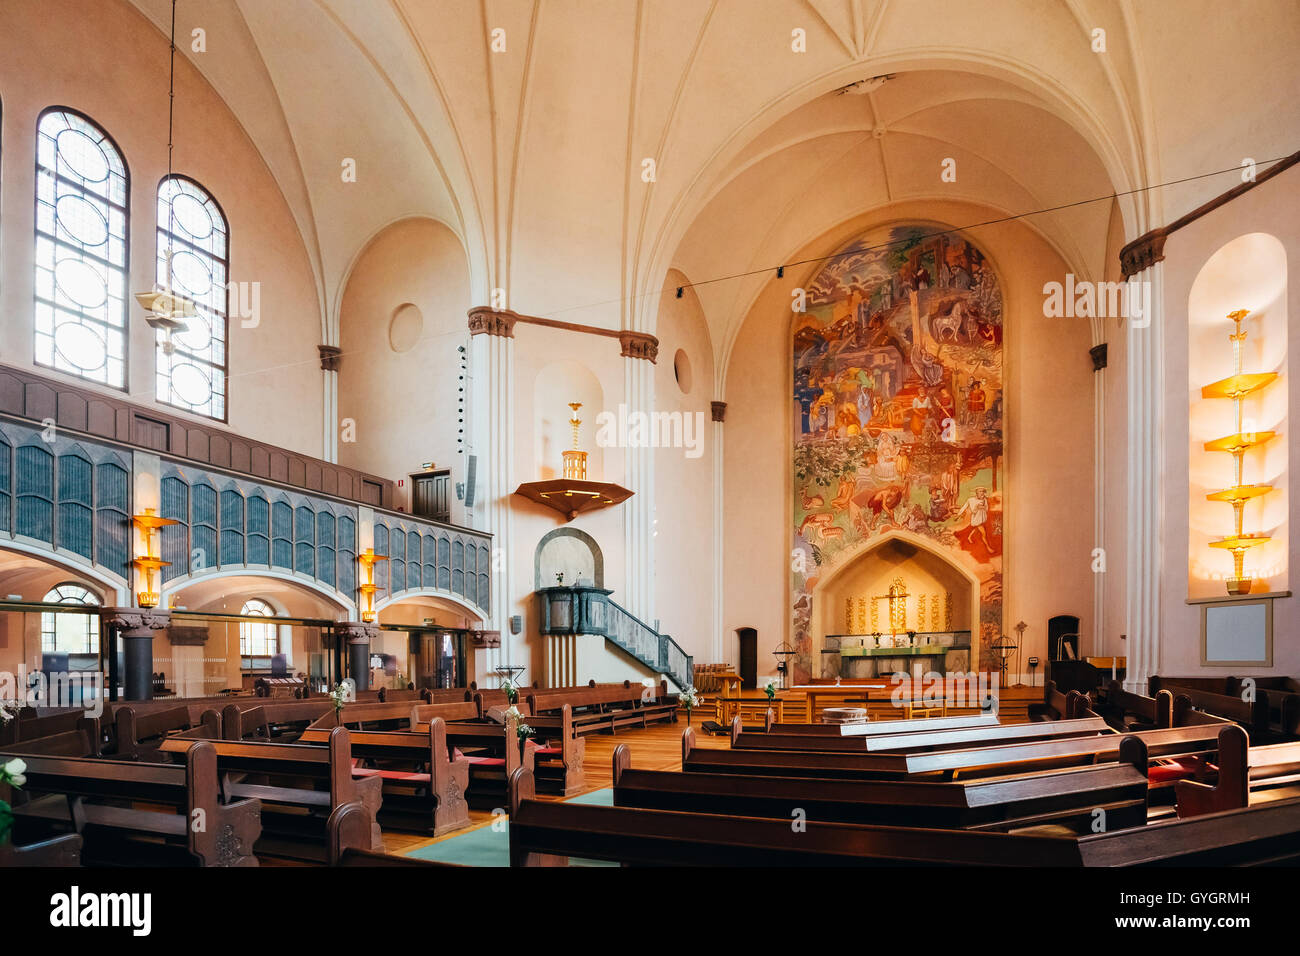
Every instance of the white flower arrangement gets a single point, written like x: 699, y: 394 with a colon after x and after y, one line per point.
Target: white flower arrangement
x: 342, y: 694
x: 521, y: 728
x: 689, y: 698
x: 9, y: 710
x: 13, y: 773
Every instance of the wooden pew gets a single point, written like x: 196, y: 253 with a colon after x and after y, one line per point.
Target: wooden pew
x: 56, y: 851
x: 1065, y: 798
x: 161, y: 800
x: 1209, y: 695
x: 290, y: 779
x: 398, y: 715
x: 388, y: 696
x: 544, y: 833
x: 1243, y: 770
x: 346, y: 832
x: 606, y: 707
x: 560, y: 754
x: 917, y: 741
x: 83, y: 741
x: 878, y: 727
x: 985, y: 761
x: 1059, y: 706
x: 424, y: 787
x: 270, y: 719
x: 138, y: 735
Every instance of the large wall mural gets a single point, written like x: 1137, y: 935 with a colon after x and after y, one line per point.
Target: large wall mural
x: 898, y: 412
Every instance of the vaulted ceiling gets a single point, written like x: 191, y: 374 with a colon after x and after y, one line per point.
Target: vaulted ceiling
x: 534, y: 155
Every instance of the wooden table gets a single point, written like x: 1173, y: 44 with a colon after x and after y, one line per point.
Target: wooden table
x: 728, y: 683
x: 819, y: 695
x: 749, y: 708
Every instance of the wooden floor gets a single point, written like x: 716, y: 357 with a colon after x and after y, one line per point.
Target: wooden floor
x: 659, y: 747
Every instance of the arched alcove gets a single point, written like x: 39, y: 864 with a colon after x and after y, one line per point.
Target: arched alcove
x: 1250, y: 273
x: 573, y: 553
x: 941, y: 599
x: 556, y: 385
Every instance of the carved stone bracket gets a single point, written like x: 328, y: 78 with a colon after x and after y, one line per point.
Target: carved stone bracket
x: 719, y: 411
x: 1098, y: 353
x: 331, y: 356
x: 1143, y: 252
x: 485, y: 321
x: 639, y: 345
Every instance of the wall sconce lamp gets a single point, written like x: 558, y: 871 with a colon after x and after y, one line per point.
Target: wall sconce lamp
x: 367, y: 560
x: 149, y: 562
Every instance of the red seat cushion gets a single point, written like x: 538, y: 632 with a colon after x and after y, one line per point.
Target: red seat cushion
x: 548, y: 750
x: 391, y: 775
x: 1171, y: 770
x: 487, y: 761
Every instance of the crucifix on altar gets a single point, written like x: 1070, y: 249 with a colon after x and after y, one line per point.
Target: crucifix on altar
x: 897, y: 597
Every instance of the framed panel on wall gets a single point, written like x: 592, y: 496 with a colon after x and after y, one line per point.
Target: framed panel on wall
x: 1237, y: 633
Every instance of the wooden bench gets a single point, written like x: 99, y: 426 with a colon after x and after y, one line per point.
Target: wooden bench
x: 545, y: 833
x: 1270, y: 771
x: 994, y: 760
x: 346, y: 831
x: 1223, y: 697
x: 129, y: 798
x: 878, y: 727
x: 917, y: 741
x: 1061, y: 798
x: 299, y: 785
x: 424, y: 786
x: 1059, y: 706
x: 606, y: 707
x: 269, y: 719
x: 388, y: 695
x: 138, y: 736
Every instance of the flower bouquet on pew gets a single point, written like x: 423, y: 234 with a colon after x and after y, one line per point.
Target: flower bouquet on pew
x: 690, y: 699
x: 13, y: 774
x: 511, y: 691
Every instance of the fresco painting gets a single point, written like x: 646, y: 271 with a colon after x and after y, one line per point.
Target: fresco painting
x: 898, y: 415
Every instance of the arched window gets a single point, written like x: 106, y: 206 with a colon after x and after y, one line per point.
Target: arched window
x: 192, y: 226
x: 258, y: 639
x: 81, y: 243
x: 70, y: 633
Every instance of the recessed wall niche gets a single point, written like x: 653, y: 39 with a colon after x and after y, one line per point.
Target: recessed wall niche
x: 405, y: 327
x: 1249, y: 273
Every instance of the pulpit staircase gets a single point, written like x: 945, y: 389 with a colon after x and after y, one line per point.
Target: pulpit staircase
x: 657, y: 651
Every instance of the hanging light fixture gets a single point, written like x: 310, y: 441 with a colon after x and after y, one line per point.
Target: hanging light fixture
x: 164, y: 310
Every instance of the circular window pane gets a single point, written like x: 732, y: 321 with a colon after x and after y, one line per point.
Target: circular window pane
x: 191, y: 273
x: 82, y: 155
x: 80, y: 283
x: 405, y: 328
x: 198, y: 336
x: 192, y: 216
x: 81, y: 220
x: 80, y: 345
x: 190, y: 384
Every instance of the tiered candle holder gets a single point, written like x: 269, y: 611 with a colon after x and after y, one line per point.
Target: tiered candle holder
x: 149, y: 562
x: 1237, y: 387
x: 368, y: 559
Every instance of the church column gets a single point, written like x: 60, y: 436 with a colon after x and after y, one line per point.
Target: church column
x: 1145, y: 492
x: 1099, y: 440
x: 492, y: 430
x: 357, y: 636
x: 135, y: 627
x: 330, y: 356
x: 640, y: 350
x: 717, y: 644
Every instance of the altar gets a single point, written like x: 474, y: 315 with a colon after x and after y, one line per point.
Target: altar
x: 853, y: 656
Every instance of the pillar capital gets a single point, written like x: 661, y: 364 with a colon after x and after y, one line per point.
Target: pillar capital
x: 356, y: 632
x: 135, y: 621
x: 719, y: 411
x: 486, y: 321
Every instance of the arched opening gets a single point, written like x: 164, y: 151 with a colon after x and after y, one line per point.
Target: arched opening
x: 423, y: 641
x: 1248, y: 274
x: 865, y: 611
x: 571, y: 553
